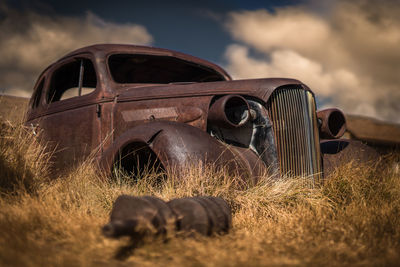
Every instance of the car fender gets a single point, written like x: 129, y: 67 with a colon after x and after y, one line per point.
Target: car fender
x: 179, y: 145
x: 338, y: 152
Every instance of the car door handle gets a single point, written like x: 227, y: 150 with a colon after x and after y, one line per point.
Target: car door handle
x: 34, y: 128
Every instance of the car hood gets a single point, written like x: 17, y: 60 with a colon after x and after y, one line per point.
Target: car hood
x: 260, y: 88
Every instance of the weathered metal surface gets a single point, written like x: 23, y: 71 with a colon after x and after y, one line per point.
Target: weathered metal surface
x: 292, y: 111
x: 178, y: 122
x: 149, y: 216
x: 373, y: 130
x: 258, y: 88
x: 138, y: 217
x: 230, y: 111
x: 333, y: 123
x: 204, y: 215
x: 179, y: 146
x: 339, y: 152
x: 189, y: 110
x: 103, y: 50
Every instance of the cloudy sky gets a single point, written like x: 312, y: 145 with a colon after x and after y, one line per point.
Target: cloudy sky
x: 348, y: 52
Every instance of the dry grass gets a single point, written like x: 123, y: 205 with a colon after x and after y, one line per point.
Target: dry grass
x: 353, y: 219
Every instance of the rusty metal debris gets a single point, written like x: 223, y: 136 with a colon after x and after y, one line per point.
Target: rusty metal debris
x: 149, y: 216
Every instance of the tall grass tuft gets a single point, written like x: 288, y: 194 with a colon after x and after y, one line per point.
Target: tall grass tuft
x: 23, y: 160
x: 352, y: 219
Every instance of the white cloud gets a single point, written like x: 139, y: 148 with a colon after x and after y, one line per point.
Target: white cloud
x: 29, y: 42
x: 349, y: 56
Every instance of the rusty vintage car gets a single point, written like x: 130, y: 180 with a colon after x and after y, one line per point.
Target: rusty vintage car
x: 140, y: 105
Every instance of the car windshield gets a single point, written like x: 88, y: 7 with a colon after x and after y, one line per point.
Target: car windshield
x: 136, y: 68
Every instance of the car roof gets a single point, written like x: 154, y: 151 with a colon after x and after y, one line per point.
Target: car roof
x: 148, y: 50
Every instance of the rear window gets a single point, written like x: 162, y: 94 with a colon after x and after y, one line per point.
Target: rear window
x: 130, y: 68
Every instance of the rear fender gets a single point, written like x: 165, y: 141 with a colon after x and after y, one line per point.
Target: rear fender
x: 338, y: 152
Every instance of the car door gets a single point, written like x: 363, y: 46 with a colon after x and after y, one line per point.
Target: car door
x: 70, y: 121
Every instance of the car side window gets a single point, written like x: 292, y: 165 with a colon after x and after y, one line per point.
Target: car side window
x: 38, y: 94
x: 73, y: 79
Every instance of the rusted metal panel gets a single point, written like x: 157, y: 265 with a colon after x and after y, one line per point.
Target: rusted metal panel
x: 189, y: 110
x: 105, y: 114
x: 179, y: 146
x: 103, y: 50
x: 339, y: 152
x: 260, y: 88
x: 373, y: 130
x: 149, y: 216
x: 333, y: 123
x: 73, y: 135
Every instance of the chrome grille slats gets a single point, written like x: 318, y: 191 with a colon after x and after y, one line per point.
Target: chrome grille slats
x: 289, y: 126
x: 278, y: 133
x: 282, y: 113
x: 317, y: 151
x: 302, y: 131
x: 298, y: 140
x: 307, y: 137
x: 293, y: 115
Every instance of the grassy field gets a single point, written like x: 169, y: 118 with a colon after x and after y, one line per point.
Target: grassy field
x: 12, y: 108
x: 353, y: 219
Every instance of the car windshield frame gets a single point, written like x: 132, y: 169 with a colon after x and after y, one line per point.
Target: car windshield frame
x: 158, y: 69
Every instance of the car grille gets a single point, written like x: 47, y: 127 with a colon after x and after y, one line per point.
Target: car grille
x: 293, y: 115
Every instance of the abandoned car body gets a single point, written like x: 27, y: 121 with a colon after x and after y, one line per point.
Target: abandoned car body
x: 133, y: 104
